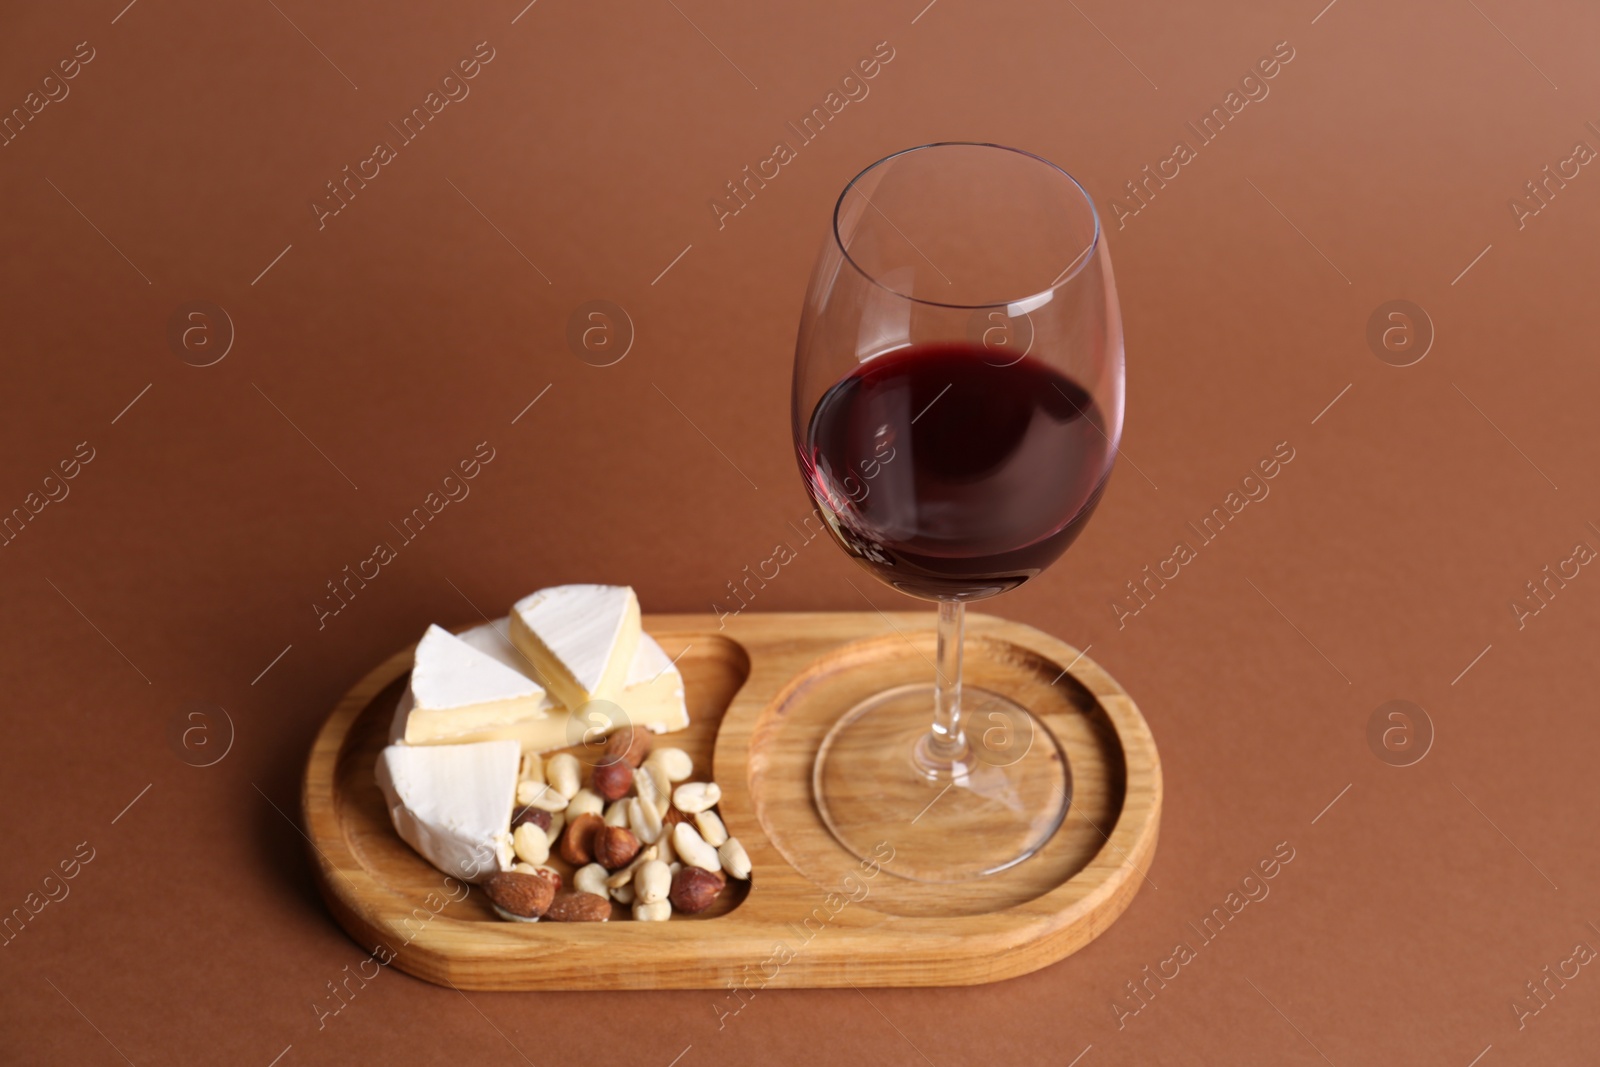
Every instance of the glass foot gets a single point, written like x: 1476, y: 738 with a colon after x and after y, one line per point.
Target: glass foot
x: 883, y: 787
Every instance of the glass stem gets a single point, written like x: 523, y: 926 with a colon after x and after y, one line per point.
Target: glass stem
x: 945, y: 747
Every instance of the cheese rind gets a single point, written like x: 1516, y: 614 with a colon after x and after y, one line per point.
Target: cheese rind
x: 461, y: 688
x: 581, y: 638
x: 453, y: 803
x: 493, y: 639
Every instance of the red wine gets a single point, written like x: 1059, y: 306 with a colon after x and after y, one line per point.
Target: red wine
x: 951, y: 476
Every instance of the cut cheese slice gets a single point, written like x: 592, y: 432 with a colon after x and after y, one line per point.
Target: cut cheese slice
x: 581, y: 639
x: 654, y: 694
x: 653, y: 699
x: 459, y: 691
x: 452, y: 803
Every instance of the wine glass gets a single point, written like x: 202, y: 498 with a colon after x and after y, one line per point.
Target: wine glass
x: 957, y: 403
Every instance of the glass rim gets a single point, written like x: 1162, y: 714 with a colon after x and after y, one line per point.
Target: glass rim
x: 1034, y: 299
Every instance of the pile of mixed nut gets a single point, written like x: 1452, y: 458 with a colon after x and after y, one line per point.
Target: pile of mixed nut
x: 640, y: 833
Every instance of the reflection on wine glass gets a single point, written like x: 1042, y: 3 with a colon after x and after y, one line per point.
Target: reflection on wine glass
x: 957, y: 403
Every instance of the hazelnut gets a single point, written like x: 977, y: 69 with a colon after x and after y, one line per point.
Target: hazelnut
x: 576, y: 907
x: 538, y: 816
x: 614, y: 846
x: 577, y: 844
x: 673, y: 817
x: 613, y: 778
x: 694, y: 889
x: 526, y: 896
x: 630, y: 744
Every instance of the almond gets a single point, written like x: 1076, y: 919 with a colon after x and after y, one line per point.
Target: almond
x: 573, y: 907
x: 613, y: 778
x: 630, y: 744
x: 694, y: 889
x: 527, y: 896
x: 614, y: 846
x: 577, y: 844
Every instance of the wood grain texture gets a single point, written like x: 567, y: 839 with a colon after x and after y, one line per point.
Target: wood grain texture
x: 762, y: 691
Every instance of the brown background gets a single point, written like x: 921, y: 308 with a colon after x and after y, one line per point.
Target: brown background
x: 191, y: 549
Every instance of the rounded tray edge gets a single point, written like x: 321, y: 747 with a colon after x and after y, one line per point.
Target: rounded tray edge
x: 318, y: 806
x: 1137, y: 828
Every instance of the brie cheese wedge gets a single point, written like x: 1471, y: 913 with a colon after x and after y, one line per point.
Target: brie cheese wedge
x: 460, y: 691
x: 581, y: 638
x: 653, y: 699
x: 494, y: 639
x: 654, y: 694
x: 453, y: 803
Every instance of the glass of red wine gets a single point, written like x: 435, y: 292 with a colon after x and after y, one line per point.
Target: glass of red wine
x: 957, y: 403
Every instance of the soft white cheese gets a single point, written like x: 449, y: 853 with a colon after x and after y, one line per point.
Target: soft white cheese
x: 654, y: 694
x: 453, y: 803
x: 494, y: 639
x: 581, y: 638
x: 459, y: 691
x: 653, y: 698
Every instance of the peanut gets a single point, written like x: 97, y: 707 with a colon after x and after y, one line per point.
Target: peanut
x: 675, y: 763
x: 539, y: 795
x: 643, y: 819
x: 692, y: 848
x: 561, y: 771
x: 591, y: 879
x: 531, y: 844
x: 585, y: 801
x: 695, y: 797
x: 711, y: 828
x: 652, y: 882
x: 735, y: 860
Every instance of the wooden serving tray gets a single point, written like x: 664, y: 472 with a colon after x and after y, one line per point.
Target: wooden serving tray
x: 762, y: 691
